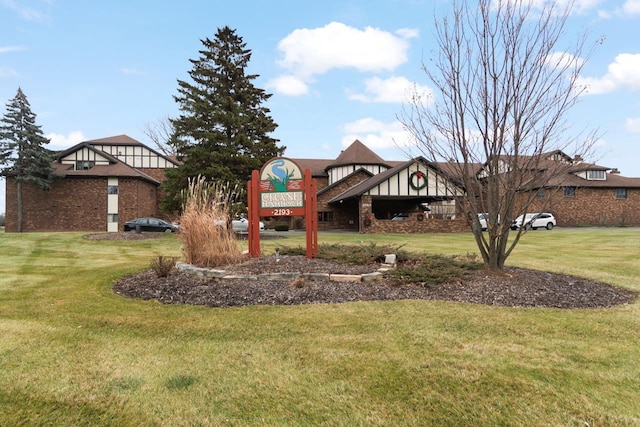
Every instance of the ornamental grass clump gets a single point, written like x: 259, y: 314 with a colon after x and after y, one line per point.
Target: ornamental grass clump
x: 208, y: 240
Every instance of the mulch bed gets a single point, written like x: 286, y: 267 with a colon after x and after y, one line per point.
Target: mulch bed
x: 515, y: 287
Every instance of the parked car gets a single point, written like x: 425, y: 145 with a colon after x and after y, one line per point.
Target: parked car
x: 482, y: 218
x: 534, y: 221
x: 400, y: 217
x: 242, y: 225
x: 150, y: 224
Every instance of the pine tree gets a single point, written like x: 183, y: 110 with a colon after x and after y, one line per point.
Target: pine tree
x: 22, y: 153
x: 223, y: 126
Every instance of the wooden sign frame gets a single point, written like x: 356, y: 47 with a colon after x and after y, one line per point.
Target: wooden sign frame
x: 290, y: 193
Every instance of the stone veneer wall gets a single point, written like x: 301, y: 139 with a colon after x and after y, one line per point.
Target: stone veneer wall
x: 344, y: 217
x: 412, y: 225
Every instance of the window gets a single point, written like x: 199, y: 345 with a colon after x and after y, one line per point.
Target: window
x: 112, y: 217
x: 621, y: 193
x: 112, y: 189
x: 569, y: 191
x: 83, y: 165
x: 325, y: 216
x: 595, y: 175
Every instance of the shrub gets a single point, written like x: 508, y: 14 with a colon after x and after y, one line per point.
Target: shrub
x: 431, y: 270
x: 299, y: 282
x: 418, y: 269
x: 352, y: 254
x: 207, y: 239
x: 162, y: 266
x: 281, y: 227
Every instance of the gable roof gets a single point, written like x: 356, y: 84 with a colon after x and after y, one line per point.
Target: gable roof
x: 355, y: 172
x: 116, y: 140
x: 361, y: 188
x: 357, y: 154
x: 115, y: 167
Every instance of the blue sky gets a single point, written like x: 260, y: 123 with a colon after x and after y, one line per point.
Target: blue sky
x: 338, y: 70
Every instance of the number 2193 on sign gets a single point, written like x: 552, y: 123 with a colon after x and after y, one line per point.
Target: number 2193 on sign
x: 281, y: 212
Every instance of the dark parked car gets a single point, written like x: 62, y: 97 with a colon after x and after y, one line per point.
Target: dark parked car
x: 150, y: 224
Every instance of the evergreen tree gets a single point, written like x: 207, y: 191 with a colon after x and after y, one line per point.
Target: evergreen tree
x: 222, y: 130
x: 22, y: 152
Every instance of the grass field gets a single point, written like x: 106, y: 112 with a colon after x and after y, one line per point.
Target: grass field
x: 72, y: 353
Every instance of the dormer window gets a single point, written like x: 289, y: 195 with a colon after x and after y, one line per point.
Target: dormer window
x: 595, y: 175
x: 83, y: 165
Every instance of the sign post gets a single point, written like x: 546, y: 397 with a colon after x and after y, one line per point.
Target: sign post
x: 281, y: 189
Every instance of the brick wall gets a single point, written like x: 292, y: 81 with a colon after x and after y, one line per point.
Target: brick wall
x: 77, y: 204
x: 593, y: 207
x: 160, y: 176
x: 136, y: 199
x: 70, y: 205
x: 155, y: 173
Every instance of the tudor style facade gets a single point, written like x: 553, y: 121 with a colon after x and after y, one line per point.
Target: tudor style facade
x: 360, y: 191
x: 590, y: 195
x: 103, y: 183
x: 100, y: 184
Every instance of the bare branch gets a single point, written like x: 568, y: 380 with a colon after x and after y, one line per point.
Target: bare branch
x: 504, y: 86
x: 162, y: 133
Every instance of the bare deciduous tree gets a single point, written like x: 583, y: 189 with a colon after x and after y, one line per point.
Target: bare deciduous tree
x: 503, y: 88
x: 162, y: 134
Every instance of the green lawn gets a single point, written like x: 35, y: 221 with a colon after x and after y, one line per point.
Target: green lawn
x: 72, y: 353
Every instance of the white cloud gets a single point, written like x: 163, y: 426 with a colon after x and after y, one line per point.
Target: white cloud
x: 376, y: 134
x: 62, y: 142
x: 27, y: 12
x: 579, y: 6
x: 393, y: 90
x: 311, y: 52
x: 408, y: 33
x: 132, y: 72
x: 632, y: 125
x: 623, y: 73
x: 288, y: 85
x: 631, y: 7
x: 8, y: 49
x: 7, y: 72
x: 563, y: 60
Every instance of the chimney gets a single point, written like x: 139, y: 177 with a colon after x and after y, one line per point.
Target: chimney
x: 577, y: 159
x: 614, y: 171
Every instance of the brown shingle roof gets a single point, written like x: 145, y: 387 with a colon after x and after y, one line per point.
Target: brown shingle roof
x: 612, y: 181
x: 358, y: 154
x: 317, y: 166
x: 117, y: 169
x: 118, y: 139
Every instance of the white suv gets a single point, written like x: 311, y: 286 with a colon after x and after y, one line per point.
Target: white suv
x: 534, y: 221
